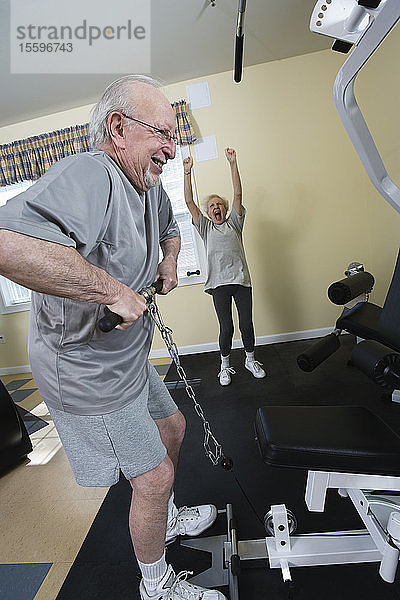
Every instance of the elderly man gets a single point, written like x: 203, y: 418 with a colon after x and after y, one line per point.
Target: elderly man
x: 85, y: 236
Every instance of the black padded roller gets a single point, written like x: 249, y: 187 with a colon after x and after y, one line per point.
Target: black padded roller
x: 318, y: 352
x: 378, y: 362
x: 341, y: 292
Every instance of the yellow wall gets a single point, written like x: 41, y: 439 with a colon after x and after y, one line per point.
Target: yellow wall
x: 311, y: 207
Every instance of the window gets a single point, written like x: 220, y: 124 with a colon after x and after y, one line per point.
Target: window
x: 191, y: 261
x: 13, y: 297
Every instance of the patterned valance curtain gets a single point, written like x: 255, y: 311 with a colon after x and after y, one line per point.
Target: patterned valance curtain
x: 184, y: 128
x: 28, y: 159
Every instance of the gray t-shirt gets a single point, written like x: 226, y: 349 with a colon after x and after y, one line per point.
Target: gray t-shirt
x: 226, y: 260
x: 86, y: 201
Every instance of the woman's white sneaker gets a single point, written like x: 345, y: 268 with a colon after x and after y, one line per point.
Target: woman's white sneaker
x: 225, y: 375
x: 255, y: 367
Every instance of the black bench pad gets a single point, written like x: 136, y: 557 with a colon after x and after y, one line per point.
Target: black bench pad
x: 364, y: 322
x: 347, y: 439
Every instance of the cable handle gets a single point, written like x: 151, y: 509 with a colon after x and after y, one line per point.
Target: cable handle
x: 112, y: 319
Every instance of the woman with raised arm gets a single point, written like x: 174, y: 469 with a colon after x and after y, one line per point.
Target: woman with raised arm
x: 227, y: 271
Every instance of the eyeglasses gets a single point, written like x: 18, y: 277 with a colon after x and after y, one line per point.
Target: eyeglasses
x: 164, y: 133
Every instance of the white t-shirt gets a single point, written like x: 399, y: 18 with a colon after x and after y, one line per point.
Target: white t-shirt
x: 226, y: 260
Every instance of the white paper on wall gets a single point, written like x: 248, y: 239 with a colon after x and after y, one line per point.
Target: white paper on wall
x: 206, y: 148
x: 198, y: 95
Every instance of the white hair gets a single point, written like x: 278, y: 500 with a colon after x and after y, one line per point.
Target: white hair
x: 205, y: 201
x: 117, y: 97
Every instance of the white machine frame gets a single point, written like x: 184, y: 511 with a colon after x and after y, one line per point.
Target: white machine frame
x: 378, y: 541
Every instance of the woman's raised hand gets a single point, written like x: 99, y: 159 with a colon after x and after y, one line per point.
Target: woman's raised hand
x: 187, y: 165
x: 230, y: 155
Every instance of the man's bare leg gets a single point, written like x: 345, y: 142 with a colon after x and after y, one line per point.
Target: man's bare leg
x: 148, y: 519
x: 187, y: 520
x: 149, y: 509
x: 172, y: 432
x: 149, y: 504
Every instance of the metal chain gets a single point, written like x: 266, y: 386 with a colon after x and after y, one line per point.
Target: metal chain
x: 212, y: 447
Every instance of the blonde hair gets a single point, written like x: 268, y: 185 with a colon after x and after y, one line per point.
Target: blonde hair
x: 204, y: 204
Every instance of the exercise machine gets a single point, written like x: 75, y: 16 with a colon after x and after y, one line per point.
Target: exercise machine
x: 346, y: 448
x: 15, y: 443
x: 361, y: 25
x: 366, y: 321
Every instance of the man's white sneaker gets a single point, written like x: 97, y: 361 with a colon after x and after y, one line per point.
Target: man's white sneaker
x: 255, y: 367
x: 225, y: 375
x: 175, y: 587
x: 191, y: 520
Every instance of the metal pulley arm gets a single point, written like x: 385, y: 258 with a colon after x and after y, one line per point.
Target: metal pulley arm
x: 349, y: 110
x: 365, y: 24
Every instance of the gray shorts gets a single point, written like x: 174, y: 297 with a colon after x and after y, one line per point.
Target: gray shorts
x: 99, y: 446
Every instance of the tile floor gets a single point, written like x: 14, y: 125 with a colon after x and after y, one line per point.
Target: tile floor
x: 44, y: 514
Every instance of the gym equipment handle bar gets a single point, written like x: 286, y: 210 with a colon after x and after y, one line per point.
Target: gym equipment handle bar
x: 111, y: 319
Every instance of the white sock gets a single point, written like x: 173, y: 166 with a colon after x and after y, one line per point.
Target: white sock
x: 153, y: 573
x: 250, y: 356
x: 225, y: 360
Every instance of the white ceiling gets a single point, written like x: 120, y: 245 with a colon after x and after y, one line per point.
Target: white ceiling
x: 189, y: 39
